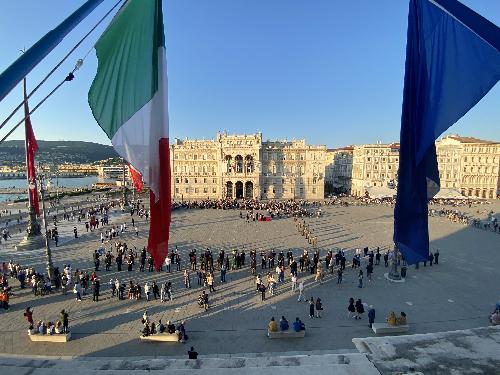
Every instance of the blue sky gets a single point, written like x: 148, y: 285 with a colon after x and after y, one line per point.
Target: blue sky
x: 329, y: 71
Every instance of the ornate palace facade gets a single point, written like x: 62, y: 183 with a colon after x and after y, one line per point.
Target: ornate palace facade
x: 243, y: 166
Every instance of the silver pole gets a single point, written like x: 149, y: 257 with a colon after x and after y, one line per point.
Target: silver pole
x: 48, y: 253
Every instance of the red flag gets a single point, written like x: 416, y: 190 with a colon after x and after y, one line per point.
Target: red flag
x: 31, y: 150
x: 160, y: 208
x: 136, y: 178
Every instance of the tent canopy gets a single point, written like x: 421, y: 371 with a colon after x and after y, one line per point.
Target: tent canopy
x: 447, y: 193
x: 380, y: 192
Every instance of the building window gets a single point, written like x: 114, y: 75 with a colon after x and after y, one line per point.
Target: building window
x: 196, y: 190
x: 205, y: 190
x: 314, y: 190
x: 214, y: 190
x: 177, y: 190
x: 176, y: 180
x: 186, y: 181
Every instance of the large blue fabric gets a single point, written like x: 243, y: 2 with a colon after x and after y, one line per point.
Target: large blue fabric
x: 28, y: 60
x: 452, y: 61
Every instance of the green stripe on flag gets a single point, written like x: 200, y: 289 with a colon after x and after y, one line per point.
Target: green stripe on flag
x: 127, y: 73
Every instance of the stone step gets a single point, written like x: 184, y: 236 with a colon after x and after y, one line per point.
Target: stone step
x: 101, y: 365
x: 337, y: 369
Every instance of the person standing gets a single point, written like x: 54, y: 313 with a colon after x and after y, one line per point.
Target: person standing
x: 301, y: 292
x: 319, y: 307
x: 95, y: 290
x: 156, y: 290
x: 28, y: 313
x: 294, y: 282
x: 311, y: 308
x: 371, y: 315
x: 210, y: 282
x: 369, y: 271
x: 436, y: 257
x: 168, y: 263
x: 262, y: 289
x: 113, y: 288
x: 187, y: 279
x: 360, y: 309
x: 78, y: 290
x: 223, y: 271
x: 146, y: 290
x: 351, y: 309
x: 64, y: 318
x: 163, y: 293
x: 339, y: 276
x: 360, y: 278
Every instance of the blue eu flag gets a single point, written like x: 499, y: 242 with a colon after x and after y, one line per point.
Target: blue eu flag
x: 452, y: 61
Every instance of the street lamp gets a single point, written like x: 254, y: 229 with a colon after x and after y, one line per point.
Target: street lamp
x: 124, y: 194
x: 48, y: 254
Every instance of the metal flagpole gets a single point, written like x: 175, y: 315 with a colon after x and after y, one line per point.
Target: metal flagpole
x: 32, y: 239
x: 33, y: 229
x: 48, y: 253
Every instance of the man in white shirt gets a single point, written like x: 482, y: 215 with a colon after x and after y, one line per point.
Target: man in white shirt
x: 301, y: 292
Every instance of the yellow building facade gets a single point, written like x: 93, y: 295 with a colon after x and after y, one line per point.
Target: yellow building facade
x: 244, y: 166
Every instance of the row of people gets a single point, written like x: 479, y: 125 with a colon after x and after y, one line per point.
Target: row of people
x: 273, y: 326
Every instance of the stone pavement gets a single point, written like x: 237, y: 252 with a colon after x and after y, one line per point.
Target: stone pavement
x: 273, y: 364
x: 459, y: 293
x: 473, y: 351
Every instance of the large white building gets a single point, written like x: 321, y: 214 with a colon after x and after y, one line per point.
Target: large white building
x: 374, y: 165
x: 245, y: 166
x: 469, y: 165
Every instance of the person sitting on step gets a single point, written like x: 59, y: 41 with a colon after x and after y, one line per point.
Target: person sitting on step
x: 391, y: 319
x: 272, y: 326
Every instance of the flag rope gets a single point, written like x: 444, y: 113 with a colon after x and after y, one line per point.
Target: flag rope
x: 55, y: 68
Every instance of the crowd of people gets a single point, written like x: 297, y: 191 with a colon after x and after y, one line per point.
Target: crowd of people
x: 288, y: 208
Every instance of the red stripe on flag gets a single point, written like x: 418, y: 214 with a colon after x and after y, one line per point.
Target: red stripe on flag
x: 159, y: 228
x: 31, y: 149
x: 136, y: 178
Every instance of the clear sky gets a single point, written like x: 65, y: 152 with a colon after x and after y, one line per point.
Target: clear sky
x: 330, y: 71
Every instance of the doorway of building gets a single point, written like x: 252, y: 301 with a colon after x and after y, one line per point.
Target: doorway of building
x: 248, y: 190
x: 239, y: 190
x: 229, y: 190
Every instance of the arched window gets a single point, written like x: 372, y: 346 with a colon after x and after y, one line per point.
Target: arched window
x: 238, y: 163
x: 249, y: 164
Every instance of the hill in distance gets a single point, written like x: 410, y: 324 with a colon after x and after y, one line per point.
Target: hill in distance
x: 57, y: 152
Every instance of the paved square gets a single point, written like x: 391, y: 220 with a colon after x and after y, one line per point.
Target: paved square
x: 457, y: 294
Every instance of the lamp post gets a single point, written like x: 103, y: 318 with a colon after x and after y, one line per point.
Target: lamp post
x: 57, y: 187
x: 125, y: 195
x: 48, y: 253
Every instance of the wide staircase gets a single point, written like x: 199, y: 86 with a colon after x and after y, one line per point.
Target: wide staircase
x: 269, y: 363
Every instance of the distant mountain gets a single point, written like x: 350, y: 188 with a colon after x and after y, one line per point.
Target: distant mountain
x: 57, y: 152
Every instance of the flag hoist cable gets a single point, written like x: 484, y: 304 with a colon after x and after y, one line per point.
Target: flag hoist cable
x: 68, y: 78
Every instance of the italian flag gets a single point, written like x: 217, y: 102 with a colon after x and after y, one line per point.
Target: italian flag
x: 128, y: 99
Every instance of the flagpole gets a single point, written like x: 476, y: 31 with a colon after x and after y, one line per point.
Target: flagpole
x: 125, y: 198
x: 32, y: 229
x: 32, y: 238
x: 48, y: 253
